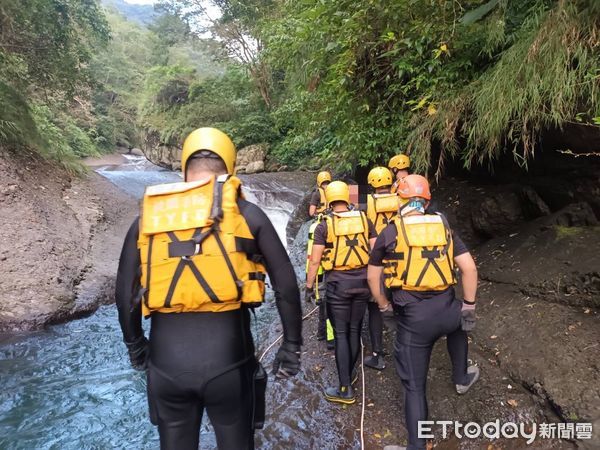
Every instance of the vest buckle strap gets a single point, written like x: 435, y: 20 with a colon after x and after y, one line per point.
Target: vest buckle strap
x: 430, y: 254
x: 184, y: 249
x: 395, y: 255
x: 260, y: 276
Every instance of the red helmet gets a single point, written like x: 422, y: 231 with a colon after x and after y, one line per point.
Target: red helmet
x: 414, y: 186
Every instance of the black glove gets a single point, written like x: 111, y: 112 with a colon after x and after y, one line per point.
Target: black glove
x: 309, y: 295
x: 467, y: 320
x: 287, y: 361
x: 138, y: 353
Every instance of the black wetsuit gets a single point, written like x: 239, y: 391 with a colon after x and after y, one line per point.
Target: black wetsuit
x: 376, y: 325
x: 347, y: 293
x: 422, y: 318
x: 206, y: 360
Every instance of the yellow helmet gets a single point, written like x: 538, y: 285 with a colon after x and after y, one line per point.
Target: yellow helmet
x: 337, y: 191
x: 399, y: 162
x: 379, y: 177
x: 212, y: 140
x: 322, y: 177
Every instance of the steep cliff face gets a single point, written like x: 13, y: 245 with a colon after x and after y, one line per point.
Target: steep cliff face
x: 160, y: 153
x: 250, y: 159
x: 59, y: 241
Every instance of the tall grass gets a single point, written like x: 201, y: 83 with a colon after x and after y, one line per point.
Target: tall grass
x: 548, y: 77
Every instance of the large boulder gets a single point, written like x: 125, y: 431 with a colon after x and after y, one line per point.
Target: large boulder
x: 251, y: 159
x: 503, y: 212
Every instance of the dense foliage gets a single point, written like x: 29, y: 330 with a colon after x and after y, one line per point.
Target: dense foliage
x: 45, y: 51
x: 336, y: 82
x: 356, y: 81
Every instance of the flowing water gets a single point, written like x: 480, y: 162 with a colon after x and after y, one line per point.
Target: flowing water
x: 71, y: 386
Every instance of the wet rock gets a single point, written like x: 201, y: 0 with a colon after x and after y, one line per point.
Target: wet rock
x: 299, y: 217
x: 136, y: 152
x: 251, y: 159
x: 46, y: 251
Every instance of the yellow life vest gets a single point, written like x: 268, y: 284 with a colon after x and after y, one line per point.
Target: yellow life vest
x: 423, y: 259
x: 322, y: 206
x: 197, y: 251
x: 382, y: 209
x: 347, y: 245
x: 309, y: 246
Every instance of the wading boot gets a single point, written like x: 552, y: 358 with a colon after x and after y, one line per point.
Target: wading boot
x: 343, y: 394
x: 375, y: 361
x: 472, y: 376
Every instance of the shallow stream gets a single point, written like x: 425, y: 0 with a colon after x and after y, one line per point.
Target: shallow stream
x: 71, y: 386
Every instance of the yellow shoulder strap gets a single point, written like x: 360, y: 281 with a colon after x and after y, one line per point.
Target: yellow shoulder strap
x: 371, y: 212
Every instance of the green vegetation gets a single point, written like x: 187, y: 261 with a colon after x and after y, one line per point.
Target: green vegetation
x: 335, y: 82
x: 45, y: 51
x: 357, y: 81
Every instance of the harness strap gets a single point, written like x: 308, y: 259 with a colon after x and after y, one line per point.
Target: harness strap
x: 403, y: 229
x: 248, y: 246
x: 211, y: 294
x: 178, y: 271
x: 238, y: 283
x: 447, y: 247
x: 257, y: 276
x: 430, y: 255
x: 148, y: 267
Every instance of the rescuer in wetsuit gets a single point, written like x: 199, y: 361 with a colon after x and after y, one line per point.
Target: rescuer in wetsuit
x: 341, y: 246
x: 417, y: 255
x: 204, y: 358
x: 382, y: 209
x: 399, y: 165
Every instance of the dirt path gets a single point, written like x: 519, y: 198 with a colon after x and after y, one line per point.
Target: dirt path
x: 536, y: 342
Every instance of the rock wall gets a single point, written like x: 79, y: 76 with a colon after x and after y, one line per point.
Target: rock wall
x: 161, y: 154
x: 60, y: 241
x: 250, y: 159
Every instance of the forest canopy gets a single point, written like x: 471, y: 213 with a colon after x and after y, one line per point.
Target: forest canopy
x: 323, y: 82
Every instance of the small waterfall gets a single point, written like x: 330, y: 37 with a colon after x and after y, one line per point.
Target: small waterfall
x: 276, y: 200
